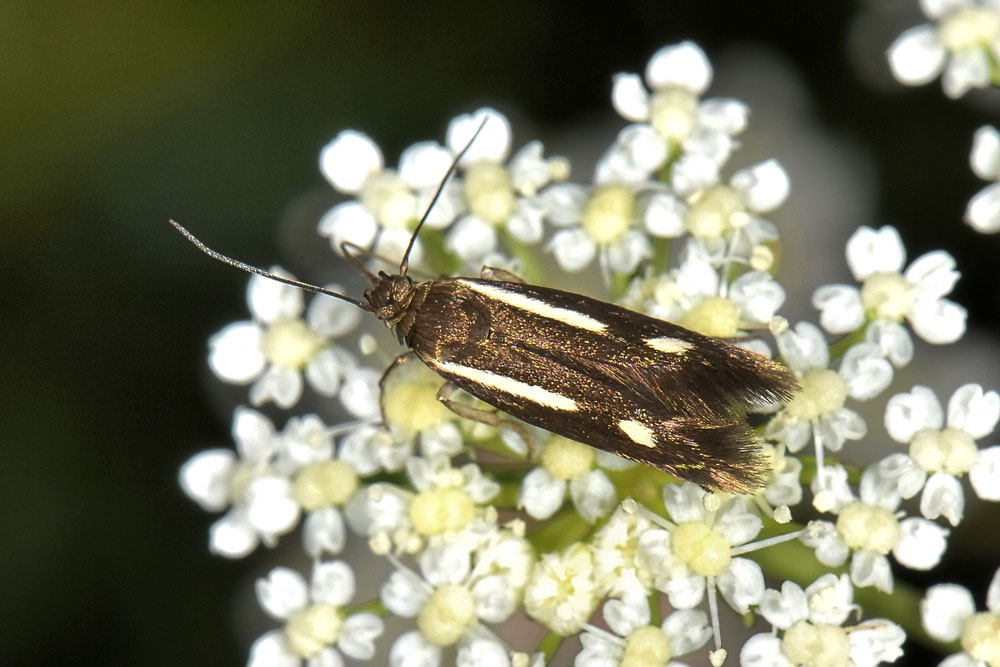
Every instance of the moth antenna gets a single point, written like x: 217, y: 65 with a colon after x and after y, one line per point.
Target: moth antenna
x: 405, y: 264
x: 261, y: 272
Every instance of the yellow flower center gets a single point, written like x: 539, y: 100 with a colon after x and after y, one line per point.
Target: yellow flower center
x: 291, y: 344
x: 389, y: 199
x: 701, y: 547
x: 567, y: 459
x: 325, y: 484
x: 647, y: 646
x: 410, y: 399
x: 609, y: 213
x: 888, y: 295
x: 823, y: 393
x: 951, y: 451
x: 310, y: 630
x: 672, y: 113
x: 714, y: 316
x: 441, y: 510
x: 869, y: 528
x: 716, y: 211
x: 489, y: 191
x: 447, y: 614
x: 981, y: 638
x: 820, y: 645
x: 970, y: 29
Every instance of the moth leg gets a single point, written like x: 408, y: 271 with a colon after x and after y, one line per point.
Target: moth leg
x: 489, y: 417
x: 493, y: 273
x: 405, y: 357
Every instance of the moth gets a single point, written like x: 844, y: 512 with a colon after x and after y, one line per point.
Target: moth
x: 592, y: 371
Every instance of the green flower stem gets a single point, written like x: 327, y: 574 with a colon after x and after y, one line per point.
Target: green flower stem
x: 841, y: 346
x: 560, y: 531
x: 531, y: 269
x: 438, y: 259
x: 549, y: 645
x: 371, y: 607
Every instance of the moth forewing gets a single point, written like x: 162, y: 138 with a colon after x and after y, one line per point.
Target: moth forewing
x: 598, y: 373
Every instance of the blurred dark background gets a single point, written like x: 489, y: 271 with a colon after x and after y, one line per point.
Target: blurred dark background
x: 120, y: 116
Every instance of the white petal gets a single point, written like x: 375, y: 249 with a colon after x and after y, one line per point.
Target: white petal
x: 786, y: 608
x: 841, y: 309
x: 593, y: 495
x: 270, y: 650
x: 893, y: 341
x: 933, y: 272
x: 993, y: 593
x: 495, y: 598
x: 529, y: 170
x: 724, y: 115
x: 403, y: 593
x: 741, y: 584
x: 985, y: 474
x: 332, y: 582
x: 323, y: 532
x: 326, y: 369
x: 974, y: 411
x: 270, y: 507
x: 360, y: 393
x: 944, y: 611
x: 625, y: 615
x: 968, y: 69
x: 865, y: 373
x: 348, y: 222
x: 629, y: 97
x: 424, y: 164
x: 663, y: 215
x: 232, y: 536
x: 759, y: 296
x: 736, y: 525
x: 830, y: 549
x: 254, y: 434
x: 876, y: 641
x: 282, y: 592
x: 904, y: 472
x: 573, y: 248
x: 905, y: 414
x: 445, y: 564
x: 564, y: 203
x: 687, y: 629
x: 281, y: 385
x: 526, y: 224
x: 765, y: 186
x: 938, y: 321
x: 412, y: 650
x: 349, y: 159
x: 358, y: 634
x: 685, y: 592
x: 235, y: 353
x: 983, y: 212
x: 693, y: 171
x: 205, y: 478
x: 482, y: 652
x: 684, y: 502
x: 921, y: 543
x: 916, y: 56
x: 331, y: 317
x: 830, y: 599
x: 985, y: 156
x: 493, y: 143
x: 271, y: 301
x: 804, y: 347
x: 870, y: 251
x: 682, y: 65
x: 471, y: 238
x: 643, y: 146
x: 625, y: 255
x: 943, y: 497
x: 541, y: 494
x: 871, y: 569
x: 763, y: 650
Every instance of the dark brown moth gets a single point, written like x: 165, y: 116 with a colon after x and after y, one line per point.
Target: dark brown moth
x: 591, y: 371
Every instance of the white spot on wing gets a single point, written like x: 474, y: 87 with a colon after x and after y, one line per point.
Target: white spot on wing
x: 507, y: 385
x: 638, y: 432
x: 537, y: 306
x: 669, y: 345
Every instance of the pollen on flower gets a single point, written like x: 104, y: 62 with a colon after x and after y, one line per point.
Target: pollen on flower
x: 489, y: 191
x: 700, y: 546
x: 389, y: 199
x: 411, y: 402
x: 324, y: 484
x: 867, y: 527
x: 447, y: 614
x: 567, y: 459
x: 609, y: 213
x: 714, y: 316
x: 970, y: 29
x: 440, y: 510
x: 291, y: 344
x: 823, y: 392
x: 715, y: 212
x: 673, y: 112
x: 646, y: 646
x: 561, y: 592
x: 951, y: 450
x: 820, y: 645
x: 888, y: 294
x: 310, y: 630
x: 981, y: 638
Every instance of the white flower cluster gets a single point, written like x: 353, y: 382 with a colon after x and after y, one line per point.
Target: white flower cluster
x: 475, y: 527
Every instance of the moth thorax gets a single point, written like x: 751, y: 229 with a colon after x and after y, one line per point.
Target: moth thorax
x: 390, y: 297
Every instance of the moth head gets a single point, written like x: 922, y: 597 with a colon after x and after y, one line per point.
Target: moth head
x: 389, y: 297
